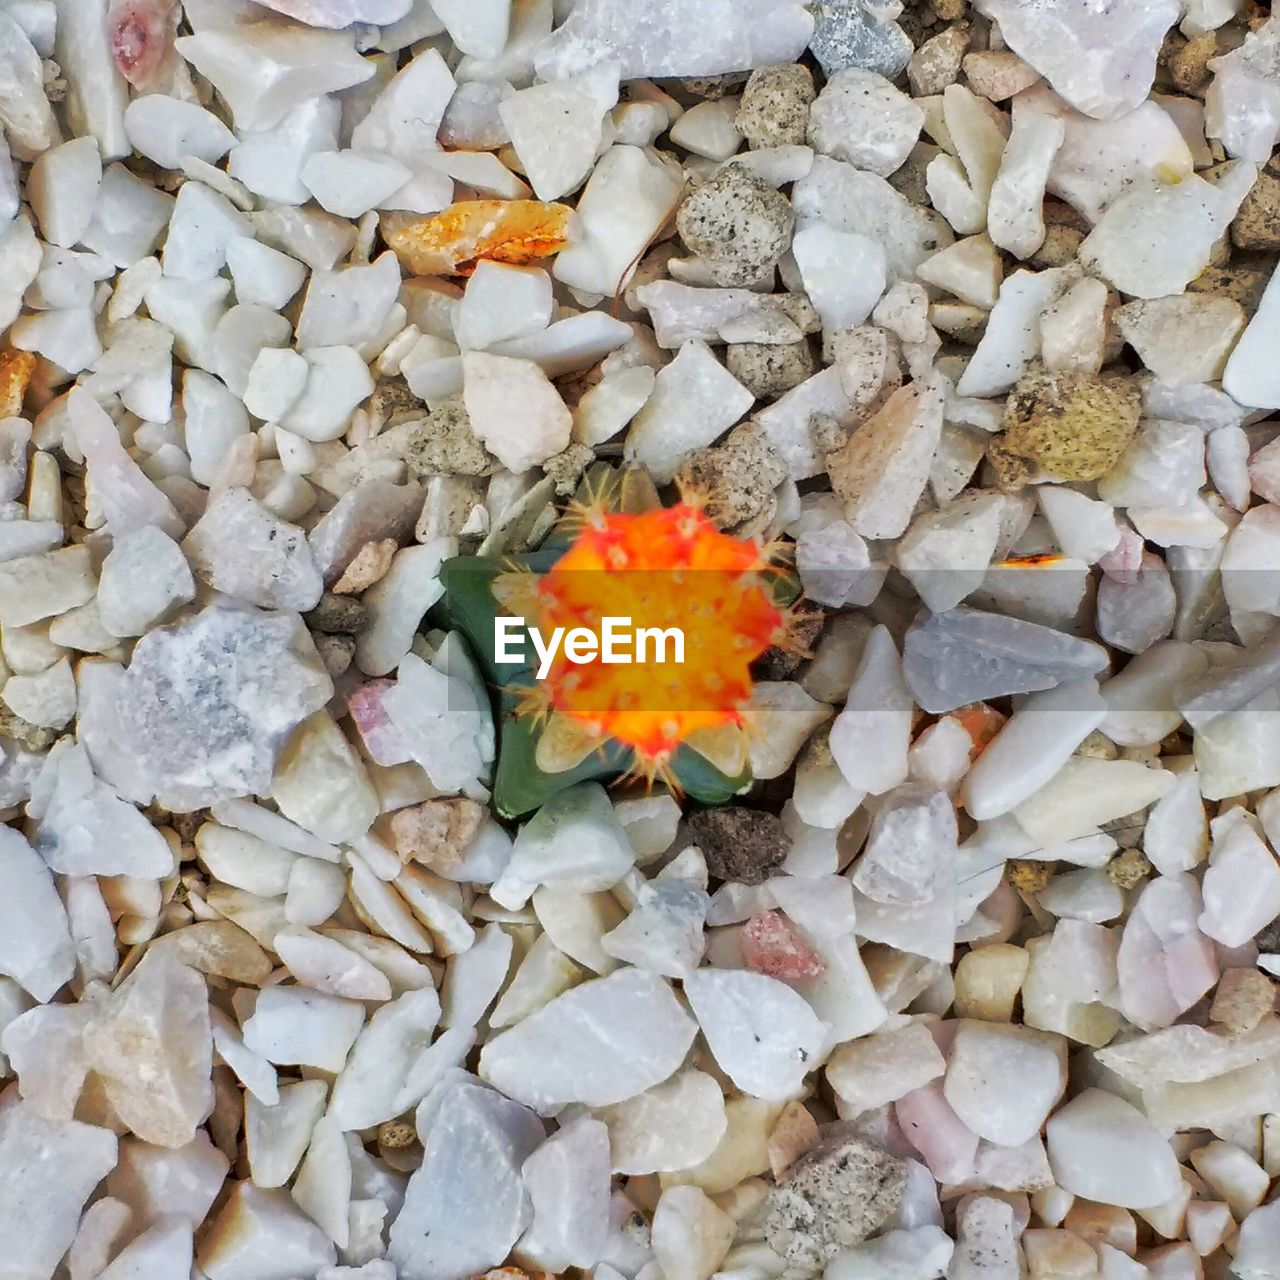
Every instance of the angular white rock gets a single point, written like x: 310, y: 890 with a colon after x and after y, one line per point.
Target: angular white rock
x: 694, y: 401
x: 764, y: 1036
x: 860, y: 117
x: 467, y: 1204
x: 1002, y: 1081
x: 870, y: 737
x: 502, y: 302
x: 844, y: 274
x: 1087, y: 792
x: 601, y: 1043
x: 35, y: 944
x: 350, y: 183
x: 257, y: 1227
x: 292, y: 1025
x: 1155, y: 239
x: 1012, y: 336
x: 167, y: 130
x: 1241, y: 887
x: 568, y: 1179
x: 672, y: 1126
x: 492, y: 384
x: 691, y: 1234
x: 48, y: 1170
x: 1101, y: 57
x: 63, y: 190
x: 144, y: 578
x: 264, y: 70
x: 1015, y: 217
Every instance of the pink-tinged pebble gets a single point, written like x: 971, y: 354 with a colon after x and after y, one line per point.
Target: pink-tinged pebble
x: 140, y: 35
x: 945, y: 1143
x: 1122, y: 563
x: 1264, y: 472
x: 381, y: 738
x: 771, y: 946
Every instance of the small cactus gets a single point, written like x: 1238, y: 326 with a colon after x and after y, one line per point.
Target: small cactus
x: 618, y: 552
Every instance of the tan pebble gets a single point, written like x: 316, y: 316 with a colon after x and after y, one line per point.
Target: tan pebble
x: 396, y: 1134
x: 368, y: 565
x: 988, y: 980
x: 437, y: 832
x: 16, y: 368
x: 795, y: 1133
x: 1128, y: 868
x: 1073, y: 424
x: 1029, y: 876
x: 1103, y: 1224
x: 998, y: 74
x: 1187, y: 62
x: 1257, y: 224
x: 1244, y: 997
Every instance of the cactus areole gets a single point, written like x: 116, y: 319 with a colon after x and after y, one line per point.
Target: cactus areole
x: 623, y: 647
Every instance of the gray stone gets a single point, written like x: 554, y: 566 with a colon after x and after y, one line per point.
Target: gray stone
x: 738, y: 224
x: 774, y: 111
x: 860, y: 33
x: 832, y: 1198
x: 965, y: 655
x: 1132, y: 617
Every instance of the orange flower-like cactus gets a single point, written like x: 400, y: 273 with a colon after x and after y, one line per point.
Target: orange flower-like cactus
x: 664, y: 572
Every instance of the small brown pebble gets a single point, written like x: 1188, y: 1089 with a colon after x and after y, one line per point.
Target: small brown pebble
x: 1243, y: 998
x: 1257, y: 224
x: 1073, y: 424
x: 713, y: 88
x: 337, y: 615
x: 742, y: 845
x: 997, y: 74
x: 16, y: 368
x: 436, y: 832
x: 1186, y: 62
x: 368, y: 565
x: 936, y: 63
x: 950, y: 10
x: 395, y: 1135
x: 1128, y: 868
x: 1029, y: 876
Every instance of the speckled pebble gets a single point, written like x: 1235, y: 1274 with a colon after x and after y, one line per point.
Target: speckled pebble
x: 774, y: 111
x: 739, y: 225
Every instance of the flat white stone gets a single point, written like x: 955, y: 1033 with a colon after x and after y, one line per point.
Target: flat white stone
x: 163, y: 1252
x: 144, y: 578
x: 350, y: 183
x: 763, y: 1035
x: 568, y: 1180
x: 630, y: 194
x: 24, y: 109
x: 600, y: 1043
x: 256, y: 1226
x: 685, y: 38
x: 844, y: 274
x: 63, y: 190
x: 1012, y: 336
x: 1002, y: 1081
x: 1155, y: 239
x: 491, y: 385
x: 1241, y: 887
x: 264, y: 70
x: 871, y: 735
x: 1242, y: 102
x: 502, y: 302
x: 405, y: 117
x: 48, y: 1170
x: 556, y: 129
x: 166, y: 130
x: 672, y: 1126
x: 1102, y: 1148
x: 276, y: 1135
x: 1100, y: 57
x: 1087, y: 792
x: 691, y: 1233
x: 397, y: 602
x: 35, y: 945
x: 1015, y: 218
x: 295, y: 1025
x: 467, y: 1204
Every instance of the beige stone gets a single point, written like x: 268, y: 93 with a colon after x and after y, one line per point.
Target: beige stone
x: 988, y: 981
x: 1243, y: 998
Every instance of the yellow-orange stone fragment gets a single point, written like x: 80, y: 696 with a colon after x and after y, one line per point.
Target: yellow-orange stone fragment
x: 453, y: 241
x: 16, y: 368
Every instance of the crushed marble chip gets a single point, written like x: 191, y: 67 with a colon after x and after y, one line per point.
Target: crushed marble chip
x: 920, y: 359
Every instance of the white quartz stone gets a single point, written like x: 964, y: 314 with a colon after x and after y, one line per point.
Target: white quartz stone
x: 1102, y: 1148
x: 144, y: 578
x: 671, y: 1126
x: 568, y: 1182
x: 240, y: 548
x: 1101, y: 57
x: 467, y: 1204
x: 257, y: 1228
x: 763, y: 1035
x: 350, y: 183
x: 502, y: 302
x: 1086, y: 792
x: 63, y: 190
x: 600, y: 1043
x: 48, y: 1170
x: 691, y: 1234
x: 685, y: 38
x: 1242, y: 102
x: 167, y: 130
x: 860, y: 117
x: 397, y: 602
x: 35, y: 945
x: 1002, y: 1081
x: 297, y: 1025
x: 844, y: 274
x: 264, y: 70
x: 1015, y: 219
x: 870, y: 737
x: 1155, y: 239
x: 491, y: 385
x: 1241, y: 887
